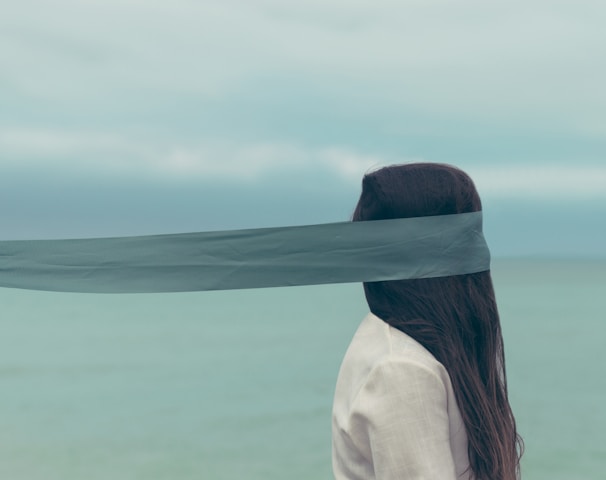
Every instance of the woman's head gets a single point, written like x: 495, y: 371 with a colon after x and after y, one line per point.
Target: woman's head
x: 416, y: 190
x: 455, y: 318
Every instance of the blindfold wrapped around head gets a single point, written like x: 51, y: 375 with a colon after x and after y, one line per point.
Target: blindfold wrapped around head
x: 394, y: 249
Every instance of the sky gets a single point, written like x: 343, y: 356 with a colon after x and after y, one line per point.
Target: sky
x: 126, y: 117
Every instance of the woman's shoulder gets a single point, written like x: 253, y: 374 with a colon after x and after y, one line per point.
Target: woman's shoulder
x: 380, y: 349
x: 377, y: 342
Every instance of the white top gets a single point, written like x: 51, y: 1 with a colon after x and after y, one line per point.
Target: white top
x: 394, y: 414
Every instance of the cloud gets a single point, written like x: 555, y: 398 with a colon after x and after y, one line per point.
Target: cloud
x: 213, y: 161
x: 225, y: 89
x: 541, y: 181
x: 259, y: 160
x: 111, y: 153
x: 36, y: 144
x: 534, y: 61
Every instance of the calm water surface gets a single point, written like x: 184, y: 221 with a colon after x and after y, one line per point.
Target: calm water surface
x: 229, y: 385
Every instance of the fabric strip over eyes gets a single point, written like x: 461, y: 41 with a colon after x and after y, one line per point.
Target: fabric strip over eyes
x: 421, y: 247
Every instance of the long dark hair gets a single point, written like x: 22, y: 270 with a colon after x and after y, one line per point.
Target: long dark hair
x: 455, y: 318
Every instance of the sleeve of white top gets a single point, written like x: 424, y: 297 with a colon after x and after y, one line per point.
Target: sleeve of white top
x: 400, y: 419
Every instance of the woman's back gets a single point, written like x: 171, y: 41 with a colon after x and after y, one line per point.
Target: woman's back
x: 395, y: 414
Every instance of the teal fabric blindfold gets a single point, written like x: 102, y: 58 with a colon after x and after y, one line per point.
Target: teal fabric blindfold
x: 421, y: 247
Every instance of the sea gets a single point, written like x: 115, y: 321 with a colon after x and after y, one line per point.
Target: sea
x: 239, y: 384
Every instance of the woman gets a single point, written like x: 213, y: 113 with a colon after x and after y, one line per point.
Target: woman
x: 422, y: 391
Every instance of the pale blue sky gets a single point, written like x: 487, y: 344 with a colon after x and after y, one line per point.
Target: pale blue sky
x: 130, y: 116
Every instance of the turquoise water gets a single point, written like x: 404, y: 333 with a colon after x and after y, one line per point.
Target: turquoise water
x: 225, y: 385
